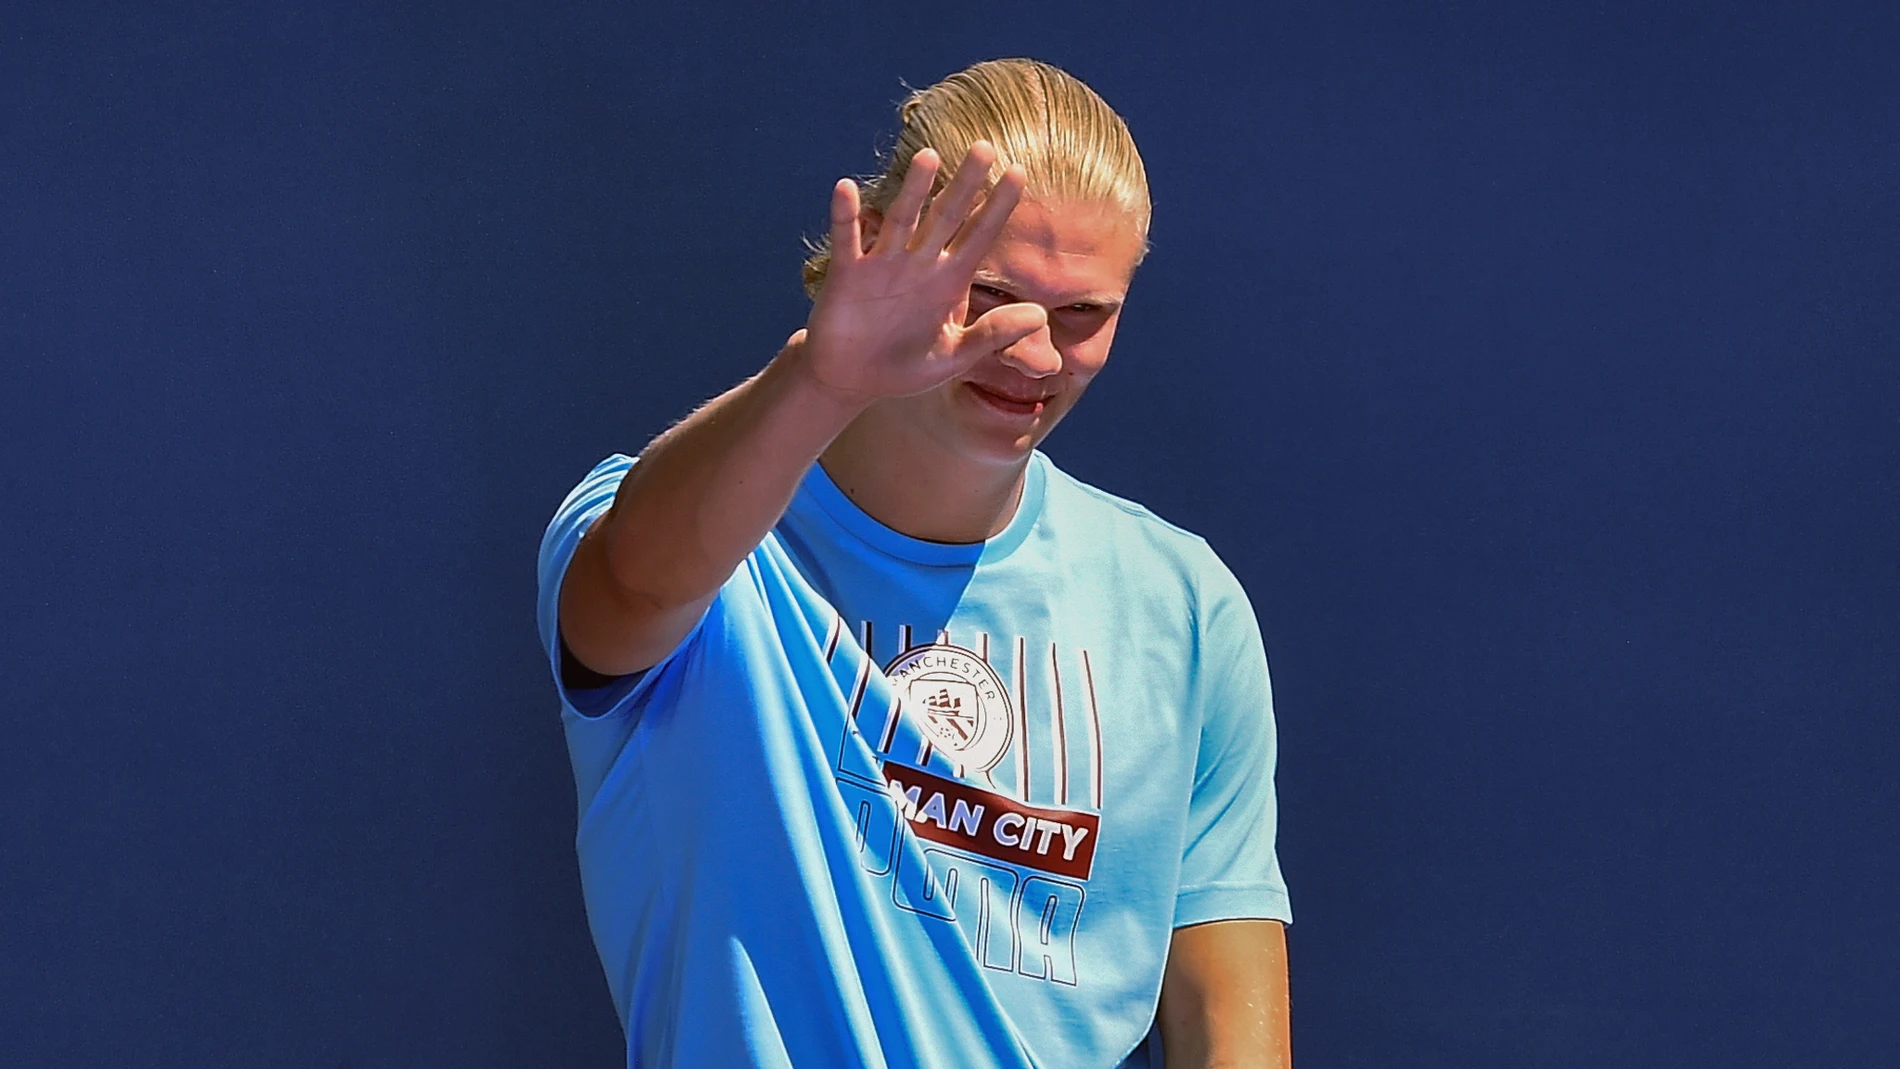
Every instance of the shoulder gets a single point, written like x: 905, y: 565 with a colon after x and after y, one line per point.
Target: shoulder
x: 1075, y: 500
x: 603, y: 479
x: 588, y: 499
x: 583, y: 504
x: 1088, y: 515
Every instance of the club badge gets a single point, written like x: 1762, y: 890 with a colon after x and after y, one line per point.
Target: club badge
x: 958, y: 700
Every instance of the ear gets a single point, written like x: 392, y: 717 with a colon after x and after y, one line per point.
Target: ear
x: 869, y: 222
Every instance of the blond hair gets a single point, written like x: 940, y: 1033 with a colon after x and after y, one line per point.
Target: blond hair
x: 1070, y: 142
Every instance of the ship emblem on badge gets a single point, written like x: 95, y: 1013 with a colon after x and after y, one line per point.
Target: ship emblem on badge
x: 958, y: 701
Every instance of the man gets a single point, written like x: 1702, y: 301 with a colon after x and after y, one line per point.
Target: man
x: 896, y: 746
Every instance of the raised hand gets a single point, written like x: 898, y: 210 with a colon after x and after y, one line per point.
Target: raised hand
x: 889, y: 321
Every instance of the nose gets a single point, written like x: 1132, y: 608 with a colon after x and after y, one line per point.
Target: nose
x: 1035, y: 355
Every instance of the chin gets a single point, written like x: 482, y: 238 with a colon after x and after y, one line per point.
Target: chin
x: 989, y: 445
x: 997, y: 438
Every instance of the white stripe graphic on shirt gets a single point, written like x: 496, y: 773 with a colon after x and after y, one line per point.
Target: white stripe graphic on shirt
x: 857, y: 689
x: 924, y: 748
x: 1062, y: 730
x: 956, y: 766
x: 1022, y: 723
x: 891, y: 716
x: 1095, y: 737
x: 832, y: 637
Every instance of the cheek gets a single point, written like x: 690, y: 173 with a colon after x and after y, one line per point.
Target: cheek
x: 1078, y: 370
x: 1087, y: 356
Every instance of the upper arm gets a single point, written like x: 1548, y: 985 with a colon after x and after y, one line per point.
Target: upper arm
x: 1224, y: 996
x: 702, y: 498
x: 609, y: 628
x: 565, y: 585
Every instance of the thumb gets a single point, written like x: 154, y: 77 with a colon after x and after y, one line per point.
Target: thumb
x: 1003, y: 326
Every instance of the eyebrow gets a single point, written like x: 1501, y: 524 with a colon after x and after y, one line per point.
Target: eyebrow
x: 1108, y: 301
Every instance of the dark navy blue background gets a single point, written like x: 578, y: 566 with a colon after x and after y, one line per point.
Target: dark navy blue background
x: 1535, y: 371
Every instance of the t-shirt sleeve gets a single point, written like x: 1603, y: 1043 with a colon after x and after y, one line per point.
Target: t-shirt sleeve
x: 598, y: 720
x: 1230, y: 869
x: 585, y: 504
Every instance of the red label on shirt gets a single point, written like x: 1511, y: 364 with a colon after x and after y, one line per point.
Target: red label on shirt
x: 994, y: 825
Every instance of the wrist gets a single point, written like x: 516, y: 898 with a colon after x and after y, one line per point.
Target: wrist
x: 802, y: 387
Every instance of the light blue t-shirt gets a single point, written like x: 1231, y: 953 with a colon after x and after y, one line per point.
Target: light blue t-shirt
x: 896, y: 803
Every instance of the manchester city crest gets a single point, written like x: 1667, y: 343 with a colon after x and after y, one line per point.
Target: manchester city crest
x: 958, y: 701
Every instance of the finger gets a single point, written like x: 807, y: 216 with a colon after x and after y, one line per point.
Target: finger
x: 953, y: 205
x: 845, y: 247
x: 797, y: 339
x: 901, y: 221
x: 1003, y: 326
x: 973, y: 241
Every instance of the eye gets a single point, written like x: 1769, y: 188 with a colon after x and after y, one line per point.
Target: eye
x: 989, y: 291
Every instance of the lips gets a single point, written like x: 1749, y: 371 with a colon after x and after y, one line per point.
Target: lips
x: 1017, y: 404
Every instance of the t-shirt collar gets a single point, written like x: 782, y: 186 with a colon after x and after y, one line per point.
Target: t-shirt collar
x: 824, y: 493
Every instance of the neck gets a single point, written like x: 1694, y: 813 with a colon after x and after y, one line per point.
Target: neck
x: 919, y: 491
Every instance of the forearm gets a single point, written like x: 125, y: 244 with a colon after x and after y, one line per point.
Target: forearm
x: 702, y: 497
x: 706, y: 491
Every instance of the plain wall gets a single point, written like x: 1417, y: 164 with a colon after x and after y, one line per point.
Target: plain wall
x: 1534, y: 367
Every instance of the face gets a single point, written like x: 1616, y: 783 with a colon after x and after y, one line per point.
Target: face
x: 1076, y: 261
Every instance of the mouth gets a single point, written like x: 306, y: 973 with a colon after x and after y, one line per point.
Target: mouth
x: 1010, y: 403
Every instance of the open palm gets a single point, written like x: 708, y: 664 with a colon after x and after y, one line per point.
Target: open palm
x: 889, y: 320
